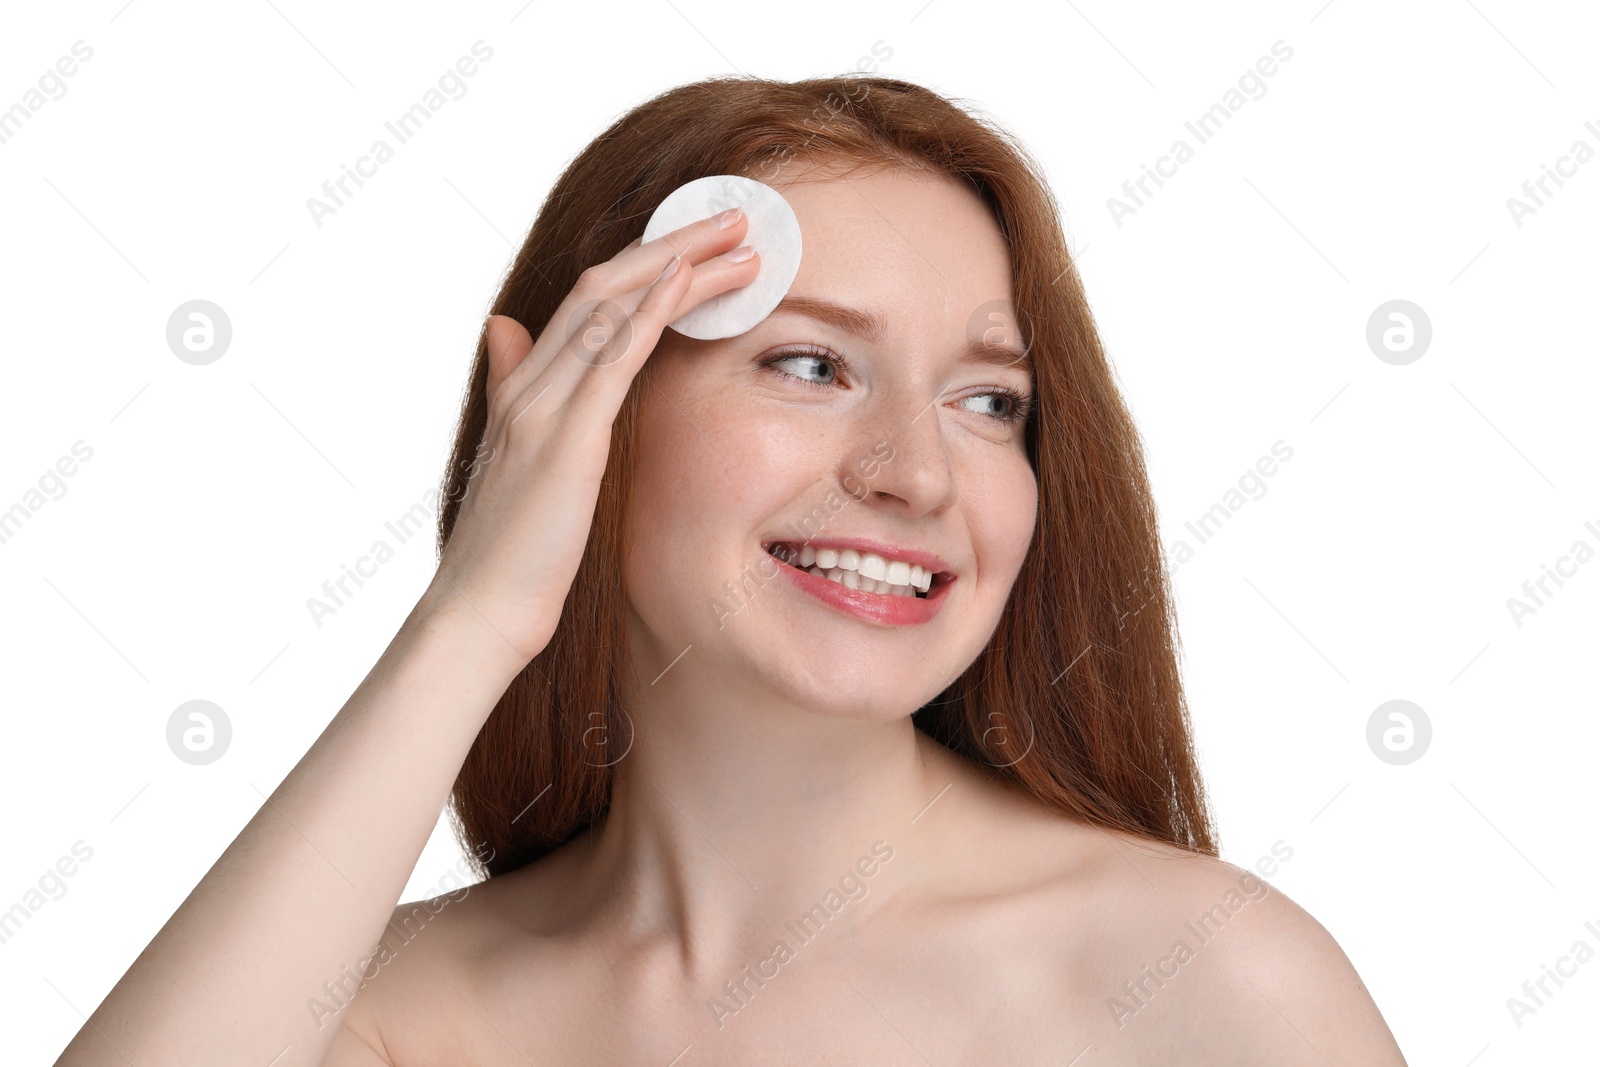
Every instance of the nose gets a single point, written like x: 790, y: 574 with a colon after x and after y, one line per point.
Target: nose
x: 900, y: 460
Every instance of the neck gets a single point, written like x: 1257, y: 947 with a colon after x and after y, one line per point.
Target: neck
x: 733, y: 818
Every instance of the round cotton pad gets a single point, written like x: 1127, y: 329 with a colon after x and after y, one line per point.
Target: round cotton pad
x: 773, y: 232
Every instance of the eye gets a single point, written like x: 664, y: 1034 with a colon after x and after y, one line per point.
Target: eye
x: 1003, y: 404
x: 1016, y: 406
x: 829, y: 364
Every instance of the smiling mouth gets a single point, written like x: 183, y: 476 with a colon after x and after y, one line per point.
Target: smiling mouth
x: 863, y: 571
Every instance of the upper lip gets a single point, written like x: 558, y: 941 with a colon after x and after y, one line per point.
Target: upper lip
x: 928, y: 560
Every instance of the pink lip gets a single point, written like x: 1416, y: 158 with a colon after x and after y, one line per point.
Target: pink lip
x: 928, y: 560
x: 884, y: 608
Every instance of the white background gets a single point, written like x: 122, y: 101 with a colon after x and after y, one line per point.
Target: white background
x: 1377, y: 565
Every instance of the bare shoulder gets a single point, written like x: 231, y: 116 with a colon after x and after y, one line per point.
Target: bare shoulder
x: 1197, y: 957
x: 378, y: 1003
x: 417, y: 994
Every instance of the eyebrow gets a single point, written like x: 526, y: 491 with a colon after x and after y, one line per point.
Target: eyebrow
x: 872, y: 326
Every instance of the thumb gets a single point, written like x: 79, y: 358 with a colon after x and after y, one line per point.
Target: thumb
x: 508, y: 343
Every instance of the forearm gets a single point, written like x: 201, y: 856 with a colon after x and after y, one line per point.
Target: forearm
x: 306, y: 887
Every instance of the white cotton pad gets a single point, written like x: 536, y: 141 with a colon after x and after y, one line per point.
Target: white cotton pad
x: 773, y: 232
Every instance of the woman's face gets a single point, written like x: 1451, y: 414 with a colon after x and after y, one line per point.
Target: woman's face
x: 758, y: 439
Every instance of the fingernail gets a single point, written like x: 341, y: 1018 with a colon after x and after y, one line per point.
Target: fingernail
x: 671, y: 268
x: 740, y: 254
x: 729, y: 217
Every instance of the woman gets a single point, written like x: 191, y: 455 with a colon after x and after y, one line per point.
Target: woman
x: 806, y: 694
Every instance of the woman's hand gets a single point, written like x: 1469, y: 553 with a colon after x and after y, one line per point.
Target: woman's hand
x: 522, y: 527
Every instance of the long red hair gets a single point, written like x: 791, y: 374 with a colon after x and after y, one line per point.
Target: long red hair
x: 1076, y: 697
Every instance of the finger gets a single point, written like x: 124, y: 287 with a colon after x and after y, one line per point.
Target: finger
x: 609, y: 339
x: 601, y: 386
x: 715, y: 276
x: 636, y: 267
x: 615, y: 287
x: 508, y: 343
x: 618, y: 343
x: 615, y: 331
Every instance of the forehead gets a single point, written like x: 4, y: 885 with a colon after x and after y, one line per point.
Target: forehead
x: 919, y: 247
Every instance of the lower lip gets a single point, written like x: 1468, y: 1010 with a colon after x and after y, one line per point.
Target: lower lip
x: 884, y: 608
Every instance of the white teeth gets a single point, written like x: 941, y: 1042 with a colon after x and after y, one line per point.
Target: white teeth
x: 853, y: 580
x: 863, y: 570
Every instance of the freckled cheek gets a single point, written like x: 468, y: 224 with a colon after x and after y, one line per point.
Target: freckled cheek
x: 709, y: 478
x: 711, y: 471
x: 672, y: 505
x: 754, y: 461
x: 665, y: 485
